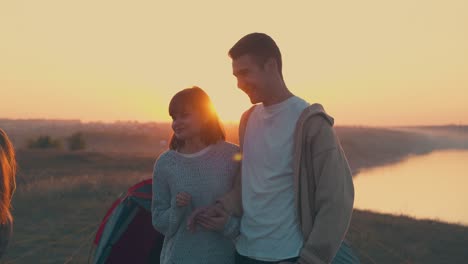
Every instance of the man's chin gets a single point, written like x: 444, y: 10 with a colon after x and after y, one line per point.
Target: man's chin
x: 254, y: 100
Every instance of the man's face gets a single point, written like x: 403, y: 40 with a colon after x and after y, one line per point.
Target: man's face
x: 251, y: 77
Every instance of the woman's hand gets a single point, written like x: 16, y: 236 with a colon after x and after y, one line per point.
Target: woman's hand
x: 183, y: 199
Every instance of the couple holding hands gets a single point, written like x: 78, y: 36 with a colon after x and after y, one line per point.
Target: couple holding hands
x: 285, y: 195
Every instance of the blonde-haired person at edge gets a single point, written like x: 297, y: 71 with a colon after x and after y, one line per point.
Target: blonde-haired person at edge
x: 295, y: 194
x: 7, y: 187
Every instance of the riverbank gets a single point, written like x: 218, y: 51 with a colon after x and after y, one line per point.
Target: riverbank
x: 372, y: 147
x: 385, y: 238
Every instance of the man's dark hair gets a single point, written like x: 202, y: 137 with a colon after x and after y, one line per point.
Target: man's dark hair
x: 260, y: 46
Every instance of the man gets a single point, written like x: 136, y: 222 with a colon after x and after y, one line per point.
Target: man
x: 295, y: 194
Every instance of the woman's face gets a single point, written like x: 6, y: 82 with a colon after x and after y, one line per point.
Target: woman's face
x: 187, y: 123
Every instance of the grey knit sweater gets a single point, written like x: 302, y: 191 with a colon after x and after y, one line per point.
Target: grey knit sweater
x: 206, y: 178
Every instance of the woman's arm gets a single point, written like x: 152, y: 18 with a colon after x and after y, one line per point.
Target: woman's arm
x: 166, y: 215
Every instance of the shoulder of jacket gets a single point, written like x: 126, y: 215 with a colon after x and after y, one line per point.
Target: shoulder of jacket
x: 315, y: 112
x: 229, y: 146
x: 313, y: 119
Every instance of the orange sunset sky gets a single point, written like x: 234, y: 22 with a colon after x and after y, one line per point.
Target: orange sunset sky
x: 375, y: 63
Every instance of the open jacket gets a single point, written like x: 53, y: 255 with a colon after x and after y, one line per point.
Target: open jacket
x: 323, y: 184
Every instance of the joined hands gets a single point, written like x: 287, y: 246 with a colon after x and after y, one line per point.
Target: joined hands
x: 212, y: 218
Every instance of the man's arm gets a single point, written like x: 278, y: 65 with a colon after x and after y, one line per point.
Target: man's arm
x: 334, y: 197
x: 232, y: 201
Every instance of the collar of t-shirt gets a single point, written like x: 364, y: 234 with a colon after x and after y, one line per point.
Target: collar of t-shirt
x: 271, y: 110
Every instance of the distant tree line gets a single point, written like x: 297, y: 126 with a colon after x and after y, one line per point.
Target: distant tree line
x: 74, y: 142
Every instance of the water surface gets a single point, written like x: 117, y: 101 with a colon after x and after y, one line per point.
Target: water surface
x: 431, y: 186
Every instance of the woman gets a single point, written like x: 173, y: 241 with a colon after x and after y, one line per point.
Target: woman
x: 197, y: 169
x: 7, y: 187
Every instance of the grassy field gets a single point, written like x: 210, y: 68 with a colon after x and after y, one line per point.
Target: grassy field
x: 62, y: 196
x: 61, y: 199
x: 384, y: 238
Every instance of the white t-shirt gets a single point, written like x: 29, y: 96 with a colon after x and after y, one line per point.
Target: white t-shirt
x: 270, y: 229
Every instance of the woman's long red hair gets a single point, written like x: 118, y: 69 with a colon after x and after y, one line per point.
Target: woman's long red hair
x: 7, y: 177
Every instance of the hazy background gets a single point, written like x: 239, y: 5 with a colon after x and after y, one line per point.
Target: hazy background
x: 375, y: 63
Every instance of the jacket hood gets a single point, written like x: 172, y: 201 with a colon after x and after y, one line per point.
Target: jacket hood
x: 315, y: 109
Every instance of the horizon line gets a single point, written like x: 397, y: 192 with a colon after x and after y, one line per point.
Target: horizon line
x: 224, y: 122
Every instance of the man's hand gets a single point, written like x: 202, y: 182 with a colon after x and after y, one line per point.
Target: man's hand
x: 191, y: 222
x: 213, y: 218
x: 183, y: 199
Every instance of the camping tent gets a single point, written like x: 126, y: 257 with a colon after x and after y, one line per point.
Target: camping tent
x: 126, y: 234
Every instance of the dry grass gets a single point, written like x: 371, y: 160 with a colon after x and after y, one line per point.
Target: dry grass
x: 384, y: 238
x: 62, y: 197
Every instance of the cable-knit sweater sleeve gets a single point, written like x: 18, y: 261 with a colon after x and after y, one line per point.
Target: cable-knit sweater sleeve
x: 166, y: 216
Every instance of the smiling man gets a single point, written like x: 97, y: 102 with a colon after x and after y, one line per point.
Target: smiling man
x: 295, y: 194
